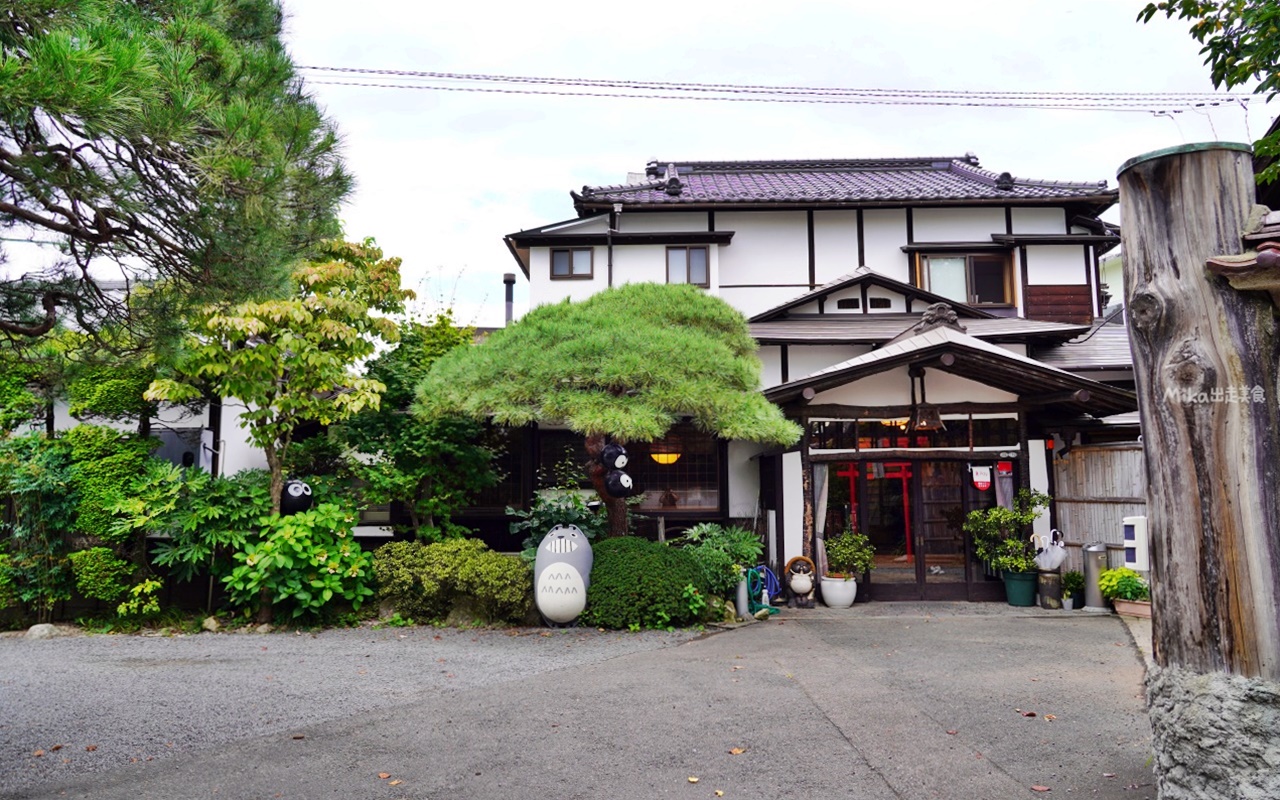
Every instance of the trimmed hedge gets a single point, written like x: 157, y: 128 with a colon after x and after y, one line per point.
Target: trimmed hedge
x: 636, y: 583
x: 425, y: 581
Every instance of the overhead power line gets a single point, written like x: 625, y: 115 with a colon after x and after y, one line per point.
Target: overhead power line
x: 1138, y: 102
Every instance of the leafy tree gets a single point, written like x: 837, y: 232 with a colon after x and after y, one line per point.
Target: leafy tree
x: 169, y: 138
x: 625, y: 364
x: 292, y: 361
x: 433, y: 467
x: 1241, y: 41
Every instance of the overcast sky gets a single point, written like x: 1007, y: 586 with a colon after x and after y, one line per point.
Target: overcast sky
x: 442, y: 176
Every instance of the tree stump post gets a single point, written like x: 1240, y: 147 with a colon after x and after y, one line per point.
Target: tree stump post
x: 1206, y: 361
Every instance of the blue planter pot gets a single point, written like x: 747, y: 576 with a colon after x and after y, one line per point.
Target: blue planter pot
x: 1020, y: 588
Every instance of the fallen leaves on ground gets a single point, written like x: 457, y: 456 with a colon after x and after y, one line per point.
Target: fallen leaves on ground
x: 1049, y: 717
x: 952, y: 733
x: 1039, y: 788
x: 693, y: 779
x: 89, y: 748
x: 737, y: 751
x: 38, y: 754
x: 384, y: 775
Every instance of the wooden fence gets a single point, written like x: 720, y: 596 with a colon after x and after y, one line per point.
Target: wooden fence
x: 1095, y: 487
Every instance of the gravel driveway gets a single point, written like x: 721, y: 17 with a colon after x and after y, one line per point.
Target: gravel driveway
x: 80, y: 704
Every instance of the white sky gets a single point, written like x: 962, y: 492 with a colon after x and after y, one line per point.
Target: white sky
x: 442, y: 176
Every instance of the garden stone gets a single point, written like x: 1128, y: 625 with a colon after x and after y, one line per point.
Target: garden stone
x: 211, y: 624
x: 264, y: 628
x: 466, y: 612
x: 43, y: 631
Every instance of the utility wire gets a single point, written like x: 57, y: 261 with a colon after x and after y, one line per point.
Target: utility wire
x: 1142, y: 102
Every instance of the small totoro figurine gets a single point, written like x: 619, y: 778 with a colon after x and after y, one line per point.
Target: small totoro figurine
x: 614, y: 456
x: 562, y: 573
x: 295, y: 497
x: 619, y: 484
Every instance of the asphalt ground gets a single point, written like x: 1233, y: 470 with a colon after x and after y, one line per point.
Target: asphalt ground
x: 885, y: 700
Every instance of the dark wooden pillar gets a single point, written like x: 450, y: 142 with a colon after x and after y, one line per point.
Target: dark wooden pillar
x: 806, y: 489
x: 1212, y: 446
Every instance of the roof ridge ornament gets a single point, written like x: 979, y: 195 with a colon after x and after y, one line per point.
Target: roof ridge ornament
x: 674, y: 187
x: 937, y: 315
x: 1258, y: 267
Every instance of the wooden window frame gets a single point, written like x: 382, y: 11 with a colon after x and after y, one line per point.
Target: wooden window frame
x: 666, y: 263
x: 551, y: 263
x: 921, y: 274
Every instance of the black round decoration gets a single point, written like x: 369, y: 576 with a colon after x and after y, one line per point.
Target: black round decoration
x: 618, y: 484
x: 614, y: 456
x: 295, y: 497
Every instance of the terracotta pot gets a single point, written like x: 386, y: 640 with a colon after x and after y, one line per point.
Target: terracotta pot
x: 1133, y: 608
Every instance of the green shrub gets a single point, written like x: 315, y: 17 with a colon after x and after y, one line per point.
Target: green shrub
x: 850, y: 554
x: 722, y: 553
x: 1073, y: 583
x: 1123, y: 584
x: 423, y: 581
x: 306, y: 561
x: 8, y: 597
x: 550, y: 509
x: 103, y: 462
x: 100, y: 574
x: 636, y: 583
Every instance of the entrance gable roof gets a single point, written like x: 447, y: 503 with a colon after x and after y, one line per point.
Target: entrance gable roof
x: 949, y: 350
x: 869, y: 277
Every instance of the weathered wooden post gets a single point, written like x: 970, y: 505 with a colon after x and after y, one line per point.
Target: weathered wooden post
x: 1206, y: 360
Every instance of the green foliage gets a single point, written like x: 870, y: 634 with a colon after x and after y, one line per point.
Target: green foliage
x: 1241, y: 41
x: 171, y: 134
x: 8, y: 598
x: 100, y: 574
x: 305, y: 561
x: 19, y: 405
x: 1123, y: 583
x: 1000, y: 535
x: 1073, y: 583
x: 113, y: 392
x: 423, y: 581
x: 433, y: 468
x: 850, y: 554
x: 198, y: 520
x: 293, y: 361
x: 642, y: 584
x: 552, y: 508
x: 722, y: 553
x: 35, y: 475
x: 142, y: 602
x: 103, y: 462
x: 626, y: 362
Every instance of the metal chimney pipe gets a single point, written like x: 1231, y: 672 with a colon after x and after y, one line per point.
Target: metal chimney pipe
x: 510, y: 280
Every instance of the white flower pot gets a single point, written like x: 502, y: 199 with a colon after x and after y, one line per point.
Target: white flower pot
x: 839, y: 592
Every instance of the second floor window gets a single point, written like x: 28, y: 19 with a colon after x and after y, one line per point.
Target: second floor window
x: 688, y: 265
x: 973, y: 279
x: 571, y: 263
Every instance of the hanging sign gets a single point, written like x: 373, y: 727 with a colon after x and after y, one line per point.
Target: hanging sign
x: 982, y: 478
x: 1004, y: 467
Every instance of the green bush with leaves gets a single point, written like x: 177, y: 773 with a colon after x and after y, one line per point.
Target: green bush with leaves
x: 8, y: 598
x: 722, y: 553
x: 636, y: 583
x: 198, y: 520
x: 1000, y: 535
x: 103, y: 462
x: 424, y: 580
x: 1123, y: 583
x: 101, y: 574
x: 35, y: 475
x: 1073, y: 583
x: 552, y: 508
x: 850, y: 554
x: 303, y: 562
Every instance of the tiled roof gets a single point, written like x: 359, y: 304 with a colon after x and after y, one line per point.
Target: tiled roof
x: 1104, y: 346
x: 856, y: 181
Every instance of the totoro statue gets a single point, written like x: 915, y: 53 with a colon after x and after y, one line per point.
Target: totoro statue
x: 561, y: 574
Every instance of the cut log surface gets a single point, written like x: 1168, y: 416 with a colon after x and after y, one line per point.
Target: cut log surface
x: 1206, y: 366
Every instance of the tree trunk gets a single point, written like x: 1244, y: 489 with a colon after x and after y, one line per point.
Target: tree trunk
x: 1206, y: 366
x: 615, y: 507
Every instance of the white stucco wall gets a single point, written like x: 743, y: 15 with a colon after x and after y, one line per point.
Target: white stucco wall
x: 804, y: 360
x: 957, y: 224
x: 543, y: 290
x: 638, y: 263
x: 1056, y: 264
x: 792, y: 507
x: 894, y: 388
x: 770, y: 365
x: 744, y: 479
x: 884, y: 234
x: 634, y: 222
x: 835, y: 244
x: 753, y: 300
x: 1039, y: 220
x: 237, y: 453
x: 897, y: 303
x: 768, y: 248
x: 1039, y: 464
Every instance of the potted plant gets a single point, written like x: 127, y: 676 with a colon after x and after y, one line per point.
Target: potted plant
x: 1073, y: 589
x: 1127, y: 590
x: 1000, y: 539
x: 848, y: 555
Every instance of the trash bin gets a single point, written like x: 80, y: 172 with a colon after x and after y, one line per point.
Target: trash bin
x: 1095, y: 561
x: 1050, y: 589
